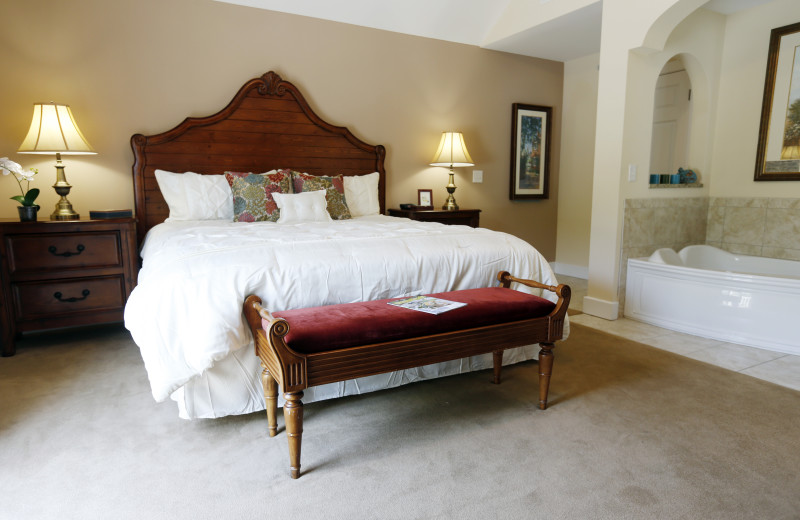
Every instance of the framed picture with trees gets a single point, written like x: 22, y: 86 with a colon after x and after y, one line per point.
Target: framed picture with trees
x: 530, y: 151
x: 778, y: 152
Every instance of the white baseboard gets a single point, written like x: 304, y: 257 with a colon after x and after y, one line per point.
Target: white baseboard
x: 575, y: 271
x: 601, y: 308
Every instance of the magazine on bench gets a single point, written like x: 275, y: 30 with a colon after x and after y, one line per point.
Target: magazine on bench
x: 427, y: 304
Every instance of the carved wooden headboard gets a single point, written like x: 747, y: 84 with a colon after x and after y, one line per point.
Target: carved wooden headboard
x: 268, y: 125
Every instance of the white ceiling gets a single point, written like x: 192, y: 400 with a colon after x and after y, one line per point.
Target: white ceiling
x: 461, y: 21
x: 469, y: 21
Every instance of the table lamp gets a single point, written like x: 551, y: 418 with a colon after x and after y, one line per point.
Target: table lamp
x: 54, y: 131
x: 452, y: 152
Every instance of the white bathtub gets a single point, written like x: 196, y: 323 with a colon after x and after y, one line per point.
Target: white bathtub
x: 709, y: 292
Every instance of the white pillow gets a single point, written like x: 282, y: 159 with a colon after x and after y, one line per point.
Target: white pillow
x: 361, y: 194
x: 191, y: 196
x: 309, y: 206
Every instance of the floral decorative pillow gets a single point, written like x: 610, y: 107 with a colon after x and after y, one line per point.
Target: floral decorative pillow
x: 334, y: 191
x: 252, y: 195
x: 245, y: 174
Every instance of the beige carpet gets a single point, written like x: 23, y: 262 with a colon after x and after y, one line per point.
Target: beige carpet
x: 632, y: 432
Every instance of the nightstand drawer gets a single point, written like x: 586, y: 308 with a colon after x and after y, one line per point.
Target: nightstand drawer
x: 61, y: 297
x: 63, y: 251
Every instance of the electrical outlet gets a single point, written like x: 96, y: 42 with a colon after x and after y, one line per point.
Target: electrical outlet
x: 477, y: 176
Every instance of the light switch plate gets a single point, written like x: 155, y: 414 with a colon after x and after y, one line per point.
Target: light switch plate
x: 477, y: 175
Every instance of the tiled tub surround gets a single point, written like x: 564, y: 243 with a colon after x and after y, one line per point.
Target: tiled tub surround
x: 768, y: 227
x: 754, y: 226
x: 651, y: 224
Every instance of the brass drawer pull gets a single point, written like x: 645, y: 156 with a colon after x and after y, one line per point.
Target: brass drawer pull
x: 66, y: 254
x: 74, y: 299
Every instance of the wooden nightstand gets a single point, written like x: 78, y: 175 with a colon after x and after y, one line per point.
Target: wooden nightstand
x: 466, y: 217
x: 64, y: 273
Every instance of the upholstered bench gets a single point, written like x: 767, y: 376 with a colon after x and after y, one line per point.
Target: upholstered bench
x: 302, y: 348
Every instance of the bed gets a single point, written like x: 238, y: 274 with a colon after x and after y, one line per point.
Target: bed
x: 198, y: 264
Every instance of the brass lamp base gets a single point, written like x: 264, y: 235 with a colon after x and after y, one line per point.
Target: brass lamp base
x: 64, y: 214
x: 450, y: 203
x: 63, y: 209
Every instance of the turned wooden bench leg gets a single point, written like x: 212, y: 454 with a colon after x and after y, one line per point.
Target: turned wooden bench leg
x: 545, y: 371
x: 293, y: 416
x: 271, y: 400
x: 497, y: 359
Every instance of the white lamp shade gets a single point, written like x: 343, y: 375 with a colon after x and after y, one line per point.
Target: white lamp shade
x: 452, y: 151
x: 53, y: 130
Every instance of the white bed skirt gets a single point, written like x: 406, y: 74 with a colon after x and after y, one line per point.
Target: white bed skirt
x: 208, y: 396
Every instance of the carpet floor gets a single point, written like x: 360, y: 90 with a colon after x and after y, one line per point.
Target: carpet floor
x: 631, y: 432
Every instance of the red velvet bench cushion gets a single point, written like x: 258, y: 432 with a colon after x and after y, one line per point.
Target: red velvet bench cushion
x: 333, y: 327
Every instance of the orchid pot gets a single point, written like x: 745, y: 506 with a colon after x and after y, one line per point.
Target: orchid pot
x: 28, y: 213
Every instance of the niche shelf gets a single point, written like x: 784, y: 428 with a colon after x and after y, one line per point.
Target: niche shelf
x: 693, y: 185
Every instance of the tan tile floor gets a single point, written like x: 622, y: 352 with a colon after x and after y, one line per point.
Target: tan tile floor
x: 776, y: 367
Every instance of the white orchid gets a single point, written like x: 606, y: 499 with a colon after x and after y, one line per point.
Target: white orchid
x: 28, y: 195
x: 9, y: 166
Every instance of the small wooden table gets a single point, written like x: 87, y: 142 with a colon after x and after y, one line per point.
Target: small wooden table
x: 464, y: 217
x: 64, y: 273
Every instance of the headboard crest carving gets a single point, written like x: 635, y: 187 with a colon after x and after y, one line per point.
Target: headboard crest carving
x: 272, y: 85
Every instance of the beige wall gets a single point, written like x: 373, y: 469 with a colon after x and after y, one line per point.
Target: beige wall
x: 577, y: 160
x: 744, y: 64
x: 130, y: 67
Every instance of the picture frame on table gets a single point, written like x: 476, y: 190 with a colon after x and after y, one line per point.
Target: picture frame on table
x: 530, y: 151
x: 778, y: 152
x: 425, y: 199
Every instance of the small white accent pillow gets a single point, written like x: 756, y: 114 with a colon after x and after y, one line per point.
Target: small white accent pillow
x: 191, y: 196
x: 361, y: 194
x: 309, y: 206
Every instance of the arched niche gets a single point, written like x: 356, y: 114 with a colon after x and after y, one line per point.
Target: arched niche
x: 680, y: 132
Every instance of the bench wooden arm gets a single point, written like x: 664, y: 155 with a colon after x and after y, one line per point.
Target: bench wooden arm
x: 254, y: 312
x: 286, y: 366
x: 562, y: 291
x: 505, y: 278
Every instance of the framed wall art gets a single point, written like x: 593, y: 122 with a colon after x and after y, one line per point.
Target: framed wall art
x: 530, y: 151
x: 778, y: 153
x: 424, y: 199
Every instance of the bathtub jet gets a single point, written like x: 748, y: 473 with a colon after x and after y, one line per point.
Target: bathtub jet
x: 709, y: 292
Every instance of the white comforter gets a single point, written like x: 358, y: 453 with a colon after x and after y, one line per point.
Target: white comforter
x: 186, y: 311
